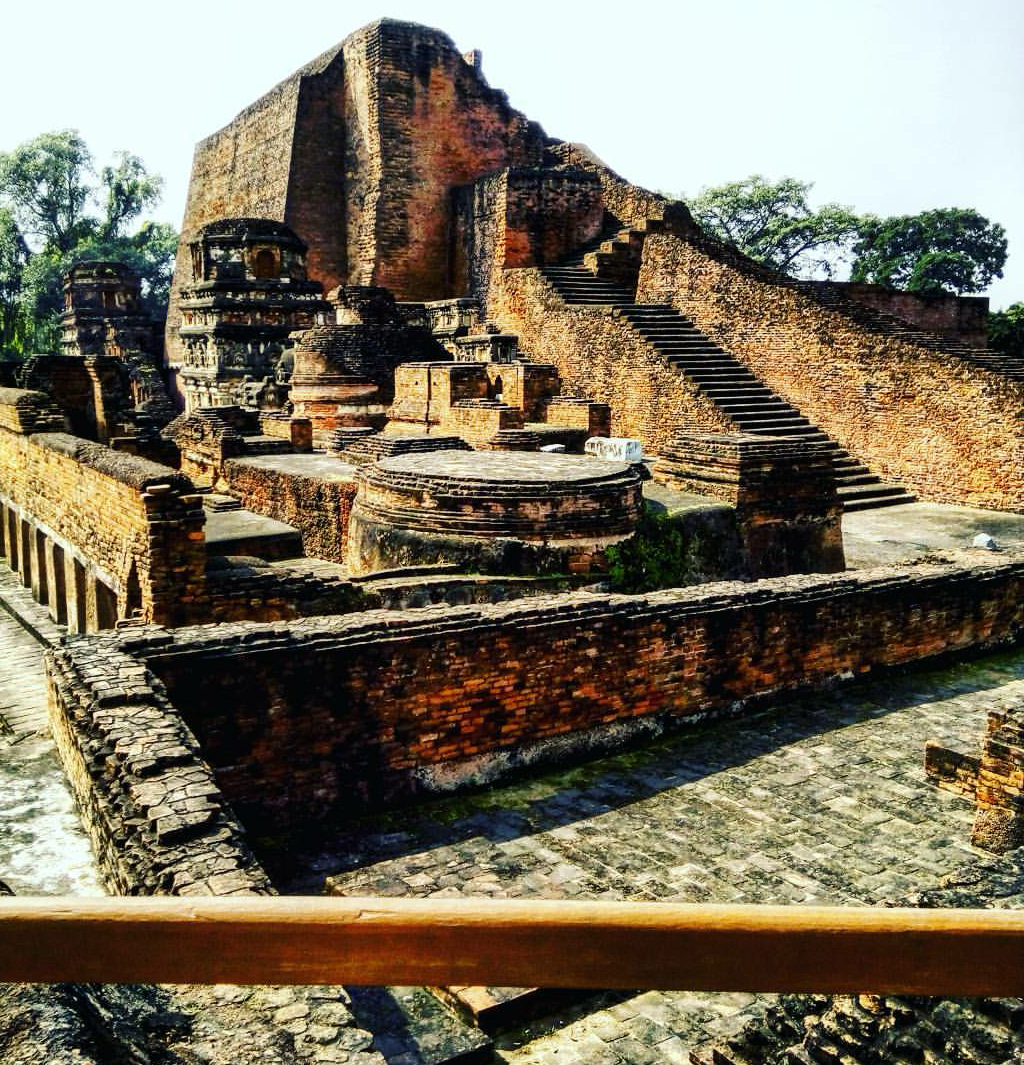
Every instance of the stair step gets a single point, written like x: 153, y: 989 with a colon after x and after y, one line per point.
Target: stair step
x: 875, y: 502
x: 770, y: 421
x: 872, y: 491
x: 867, y: 477
x: 783, y: 430
x: 734, y: 392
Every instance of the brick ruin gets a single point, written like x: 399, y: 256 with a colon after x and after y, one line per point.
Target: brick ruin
x: 432, y: 382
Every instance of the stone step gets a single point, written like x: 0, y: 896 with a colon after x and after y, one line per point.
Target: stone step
x: 782, y: 423
x: 783, y: 430
x: 871, y: 491
x: 875, y: 502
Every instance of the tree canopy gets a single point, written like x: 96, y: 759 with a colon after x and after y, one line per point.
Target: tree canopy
x: 944, y: 250
x: 56, y: 210
x: 952, y: 249
x: 773, y: 223
x: 1006, y: 330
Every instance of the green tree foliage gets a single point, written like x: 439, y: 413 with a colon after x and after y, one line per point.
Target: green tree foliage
x: 1006, y: 330
x: 14, y: 255
x: 773, y: 223
x: 54, y: 211
x: 951, y: 249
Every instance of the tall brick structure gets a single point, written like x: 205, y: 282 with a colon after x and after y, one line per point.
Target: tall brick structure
x: 399, y: 166
x: 358, y: 153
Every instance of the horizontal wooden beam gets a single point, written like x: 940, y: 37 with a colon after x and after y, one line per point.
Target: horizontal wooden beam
x: 377, y: 941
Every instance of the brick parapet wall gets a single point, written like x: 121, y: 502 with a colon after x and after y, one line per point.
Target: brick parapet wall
x: 930, y: 420
x: 130, y: 520
x: 961, y: 318
x: 598, y: 355
x: 404, y: 703
x: 156, y: 818
x: 999, y: 784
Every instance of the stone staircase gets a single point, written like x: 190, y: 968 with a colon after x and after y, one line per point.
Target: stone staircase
x: 739, y: 394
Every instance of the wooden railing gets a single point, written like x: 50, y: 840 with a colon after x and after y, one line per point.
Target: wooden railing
x: 376, y: 941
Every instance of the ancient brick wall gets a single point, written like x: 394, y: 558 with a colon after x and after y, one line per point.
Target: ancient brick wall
x: 156, y: 818
x: 378, y: 706
x: 282, y: 159
x: 521, y: 217
x: 963, y: 318
x: 628, y: 205
x: 942, y: 426
x: 120, y: 525
x: 424, y: 122
x: 318, y: 508
x: 598, y: 356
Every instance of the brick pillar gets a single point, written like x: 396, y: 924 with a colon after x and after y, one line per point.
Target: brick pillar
x: 788, y: 514
x: 999, y: 821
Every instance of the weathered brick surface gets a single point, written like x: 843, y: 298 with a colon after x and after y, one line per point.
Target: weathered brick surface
x: 963, y: 318
x: 784, y: 492
x: 156, y: 817
x: 376, y: 706
x: 318, y: 508
x: 596, y: 355
x: 135, y: 524
x: 926, y: 418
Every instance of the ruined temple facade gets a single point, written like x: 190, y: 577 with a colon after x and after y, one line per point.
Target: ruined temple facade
x: 399, y: 167
x: 103, y: 314
x: 247, y: 294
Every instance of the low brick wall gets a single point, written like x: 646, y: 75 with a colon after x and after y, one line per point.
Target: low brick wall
x: 98, y: 534
x: 319, y: 509
x: 379, y: 707
x: 936, y: 423
x: 157, y: 820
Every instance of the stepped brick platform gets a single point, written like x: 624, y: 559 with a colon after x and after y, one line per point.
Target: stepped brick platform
x: 359, y: 446
x: 737, y: 393
x: 787, y: 511
x: 499, y: 512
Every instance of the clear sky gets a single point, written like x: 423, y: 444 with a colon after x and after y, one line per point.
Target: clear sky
x: 888, y: 106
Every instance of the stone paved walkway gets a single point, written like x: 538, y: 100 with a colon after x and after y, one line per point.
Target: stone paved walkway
x: 821, y: 801
x: 43, y: 850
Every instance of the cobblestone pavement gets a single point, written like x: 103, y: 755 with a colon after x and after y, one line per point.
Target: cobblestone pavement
x: 824, y: 800
x: 43, y: 850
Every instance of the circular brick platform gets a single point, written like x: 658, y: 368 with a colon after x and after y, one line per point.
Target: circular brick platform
x: 492, y: 511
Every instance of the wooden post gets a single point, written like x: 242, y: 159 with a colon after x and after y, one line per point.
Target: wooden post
x: 374, y: 941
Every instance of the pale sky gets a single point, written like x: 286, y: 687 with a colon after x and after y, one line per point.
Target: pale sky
x: 890, y: 107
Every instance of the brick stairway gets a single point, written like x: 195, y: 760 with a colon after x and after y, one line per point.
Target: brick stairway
x: 877, y: 321
x: 738, y: 393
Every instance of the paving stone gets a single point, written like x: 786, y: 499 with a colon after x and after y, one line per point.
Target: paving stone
x: 821, y: 801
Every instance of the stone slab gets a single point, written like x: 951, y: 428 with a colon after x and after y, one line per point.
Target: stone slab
x: 241, y: 532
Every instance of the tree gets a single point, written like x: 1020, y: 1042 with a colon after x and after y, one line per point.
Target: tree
x: 1006, y: 331
x: 774, y: 224
x: 14, y: 255
x: 950, y: 249
x: 45, y: 183
x: 55, y: 213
